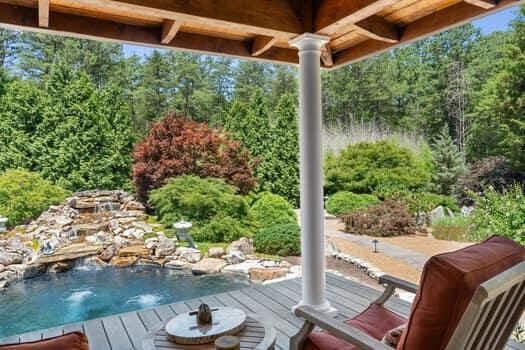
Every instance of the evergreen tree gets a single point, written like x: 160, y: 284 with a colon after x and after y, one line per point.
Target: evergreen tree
x: 449, y: 163
x: 279, y: 169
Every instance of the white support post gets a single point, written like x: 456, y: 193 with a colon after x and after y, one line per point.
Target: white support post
x: 311, y: 171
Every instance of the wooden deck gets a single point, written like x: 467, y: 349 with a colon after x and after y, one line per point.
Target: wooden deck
x: 272, y: 301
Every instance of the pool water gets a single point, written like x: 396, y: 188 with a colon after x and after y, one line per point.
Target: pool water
x: 85, y: 293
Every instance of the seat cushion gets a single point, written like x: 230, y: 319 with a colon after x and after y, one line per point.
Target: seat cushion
x: 375, y: 321
x: 448, y: 284
x: 69, y: 341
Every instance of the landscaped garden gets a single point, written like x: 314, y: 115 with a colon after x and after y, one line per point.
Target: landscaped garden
x: 105, y: 157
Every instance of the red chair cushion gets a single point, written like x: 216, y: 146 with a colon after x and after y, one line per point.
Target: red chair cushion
x: 375, y: 321
x: 69, y: 341
x: 448, y: 284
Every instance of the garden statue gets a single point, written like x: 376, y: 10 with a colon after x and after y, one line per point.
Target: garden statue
x: 182, y: 228
x: 3, y: 224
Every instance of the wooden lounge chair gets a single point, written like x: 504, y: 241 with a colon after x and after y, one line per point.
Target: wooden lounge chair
x: 468, y: 299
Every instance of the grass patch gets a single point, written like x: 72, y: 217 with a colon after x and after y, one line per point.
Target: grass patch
x: 457, y: 228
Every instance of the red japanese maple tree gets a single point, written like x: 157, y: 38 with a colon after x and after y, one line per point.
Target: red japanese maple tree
x: 176, y: 146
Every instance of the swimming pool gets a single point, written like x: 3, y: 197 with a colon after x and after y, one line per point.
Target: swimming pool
x: 85, y: 293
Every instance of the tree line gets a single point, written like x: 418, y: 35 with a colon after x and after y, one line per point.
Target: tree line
x: 73, y: 109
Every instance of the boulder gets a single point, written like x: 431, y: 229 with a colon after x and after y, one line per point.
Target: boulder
x: 90, y: 229
x: 436, y: 214
x: 151, y: 242
x: 235, y: 257
x: 59, y: 267
x: 123, y: 261
x: 189, y: 255
x: 108, y: 253
x: 265, y: 274
x: 178, y: 265
x: 134, y: 250
x: 285, y: 264
x: 3, y: 284
x: 8, y: 276
x: 31, y: 271
x: 208, y: 265
x: 270, y: 263
x: 120, y: 242
x: 2, y: 268
x: 134, y: 205
x: 98, y: 239
x: 133, y: 233
x: 215, y: 252
x: 165, y: 247
x: 148, y: 262
x: 243, y: 267
x: 10, y: 258
x: 243, y: 244
x: 142, y: 225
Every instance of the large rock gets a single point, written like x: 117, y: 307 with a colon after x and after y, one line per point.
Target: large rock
x: 208, y: 265
x: 99, y: 238
x: 8, y: 276
x: 189, y: 255
x: 235, y: 257
x: 133, y: 233
x: 90, y: 229
x: 10, y: 258
x: 165, y: 247
x: 243, y: 267
x: 142, y: 225
x: 243, y: 244
x: 108, y: 253
x: 123, y: 261
x: 215, y: 252
x: 265, y: 274
x: 178, y: 265
x: 134, y: 250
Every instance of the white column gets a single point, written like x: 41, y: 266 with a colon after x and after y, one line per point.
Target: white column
x: 311, y: 171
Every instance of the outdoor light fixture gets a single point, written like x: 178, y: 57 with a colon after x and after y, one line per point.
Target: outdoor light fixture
x: 3, y: 224
x: 182, y: 228
x: 375, y: 241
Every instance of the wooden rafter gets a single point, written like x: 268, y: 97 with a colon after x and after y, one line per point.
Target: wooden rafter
x: 378, y: 28
x: 332, y: 15
x: 486, y: 4
x: 93, y: 28
x: 326, y: 56
x: 43, y: 13
x: 169, y: 30
x: 262, y: 43
x: 277, y: 19
x: 434, y: 23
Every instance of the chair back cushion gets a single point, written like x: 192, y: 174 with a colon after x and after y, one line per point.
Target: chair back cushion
x: 69, y: 341
x: 448, y: 283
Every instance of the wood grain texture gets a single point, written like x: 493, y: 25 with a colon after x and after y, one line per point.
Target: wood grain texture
x: 262, y: 43
x: 486, y: 4
x: 378, y: 28
x: 169, y: 30
x: 43, y: 13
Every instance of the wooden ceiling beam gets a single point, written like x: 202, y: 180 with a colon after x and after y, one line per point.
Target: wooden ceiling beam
x: 486, y: 4
x: 266, y: 17
x: 43, y: 13
x: 331, y: 15
x: 25, y: 18
x: 378, y: 28
x: 169, y: 30
x: 262, y: 43
x: 326, y: 56
x: 432, y: 24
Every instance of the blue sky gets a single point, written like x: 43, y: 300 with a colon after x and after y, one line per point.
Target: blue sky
x: 489, y: 24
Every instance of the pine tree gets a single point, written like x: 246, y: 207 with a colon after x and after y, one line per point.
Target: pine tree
x: 449, y: 163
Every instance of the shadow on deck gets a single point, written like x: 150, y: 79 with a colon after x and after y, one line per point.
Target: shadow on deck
x: 272, y: 302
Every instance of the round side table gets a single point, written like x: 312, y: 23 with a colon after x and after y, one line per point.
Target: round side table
x: 257, y: 335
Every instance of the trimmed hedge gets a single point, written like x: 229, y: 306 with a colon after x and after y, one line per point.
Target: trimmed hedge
x: 344, y: 202
x: 282, y: 240
x: 25, y: 195
x: 271, y: 209
x: 223, y: 229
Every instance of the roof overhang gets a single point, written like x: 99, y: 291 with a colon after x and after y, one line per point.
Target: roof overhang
x: 256, y: 29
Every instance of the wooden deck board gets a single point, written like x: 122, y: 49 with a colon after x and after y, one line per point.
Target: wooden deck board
x: 273, y: 302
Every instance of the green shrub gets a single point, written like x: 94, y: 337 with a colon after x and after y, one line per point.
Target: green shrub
x: 345, y: 202
x: 422, y: 201
x: 456, y: 228
x: 270, y: 209
x: 24, y: 195
x: 282, y: 240
x: 222, y: 229
x: 382, y: 166
x: 197, y: 200
x: 500, y: 213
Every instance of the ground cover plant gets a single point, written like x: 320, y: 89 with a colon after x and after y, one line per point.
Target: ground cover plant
x: 344, y: 202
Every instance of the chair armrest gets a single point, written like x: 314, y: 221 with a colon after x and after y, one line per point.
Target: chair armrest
x: 340, y: 329
x: 398, y: 283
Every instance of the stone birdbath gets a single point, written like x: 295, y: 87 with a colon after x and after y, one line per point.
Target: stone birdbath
x: 3, y: 224
x: 182, y: 228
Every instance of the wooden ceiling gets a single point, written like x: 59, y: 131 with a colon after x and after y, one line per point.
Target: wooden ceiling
x: 254, y: 29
